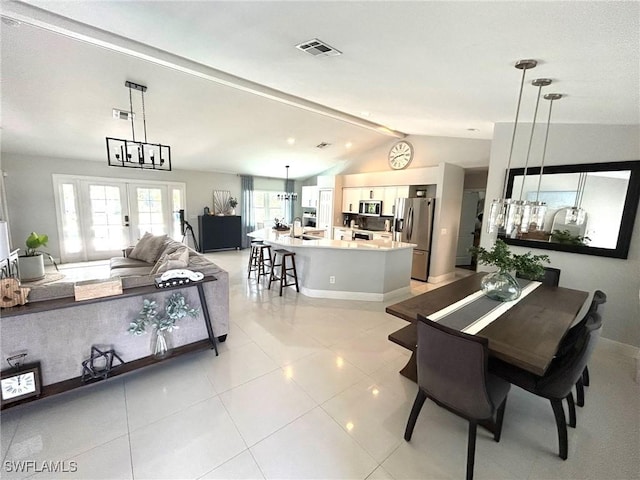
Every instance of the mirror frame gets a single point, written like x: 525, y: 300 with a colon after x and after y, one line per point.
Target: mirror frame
x: 628, y: 214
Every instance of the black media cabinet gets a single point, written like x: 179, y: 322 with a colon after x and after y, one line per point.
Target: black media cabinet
x: 219, y: 232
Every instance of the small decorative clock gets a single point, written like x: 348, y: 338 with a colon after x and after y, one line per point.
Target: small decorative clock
x: 400, y: 155
x: 19, y: 383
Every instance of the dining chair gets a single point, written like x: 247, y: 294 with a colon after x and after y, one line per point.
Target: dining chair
x: 557, y: 383
x: 551, y: 277
x: 599, y: 297
x: 452, y: 371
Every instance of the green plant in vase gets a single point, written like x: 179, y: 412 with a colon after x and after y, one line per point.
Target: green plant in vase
x: 175, y: 309
x: 501, y: 285
x: 31, y: 264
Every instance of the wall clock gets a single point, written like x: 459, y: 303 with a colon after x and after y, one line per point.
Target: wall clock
x: 18, y: 384
x: 400, y: 155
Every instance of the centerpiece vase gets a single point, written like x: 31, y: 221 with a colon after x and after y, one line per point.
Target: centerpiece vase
x: 500, y: 286
x: 160, y: 344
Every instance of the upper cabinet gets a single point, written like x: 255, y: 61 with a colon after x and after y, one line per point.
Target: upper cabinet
x: 351, y: 199
x: 310, y: 196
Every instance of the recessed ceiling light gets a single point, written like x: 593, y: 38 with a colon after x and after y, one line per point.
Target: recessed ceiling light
x: 348, y: 145
x: 365, y: 113
x: 291, y: 140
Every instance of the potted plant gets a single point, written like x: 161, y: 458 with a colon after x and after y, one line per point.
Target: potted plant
x: 232, y: 202
x: 501, y: 285
x: 175, y: 309
x: 31, y: 264
x: 566, y: 237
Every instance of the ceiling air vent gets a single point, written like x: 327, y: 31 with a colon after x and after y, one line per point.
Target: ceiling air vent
x: 318, y: 48
x: 322, y: 145
x: 123, y: 114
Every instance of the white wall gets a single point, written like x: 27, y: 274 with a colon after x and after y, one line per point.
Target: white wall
x: 31, y: 202
x: 428, y: 151
x: 572, y: 144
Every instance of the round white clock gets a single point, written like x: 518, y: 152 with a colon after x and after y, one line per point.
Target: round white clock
x: 400, y: 155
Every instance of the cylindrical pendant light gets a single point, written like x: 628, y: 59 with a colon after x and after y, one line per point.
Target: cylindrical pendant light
x: 498, y: 209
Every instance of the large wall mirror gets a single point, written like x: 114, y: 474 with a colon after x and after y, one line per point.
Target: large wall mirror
x: 591, y: 208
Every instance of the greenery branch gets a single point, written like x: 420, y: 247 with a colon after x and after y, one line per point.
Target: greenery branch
x: 175, y: 309
x: 527, y: 265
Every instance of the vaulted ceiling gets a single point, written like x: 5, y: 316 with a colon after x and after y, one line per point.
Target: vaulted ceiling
x: 227, y: 87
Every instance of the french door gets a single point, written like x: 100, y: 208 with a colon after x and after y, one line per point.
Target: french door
x: 98, y: 217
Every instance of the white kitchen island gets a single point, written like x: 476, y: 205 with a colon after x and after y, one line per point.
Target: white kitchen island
x: 351, y: 270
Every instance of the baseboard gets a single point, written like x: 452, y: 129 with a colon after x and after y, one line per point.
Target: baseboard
x: 344, y: 295
x: 441, y: 278
x: 621, y: 349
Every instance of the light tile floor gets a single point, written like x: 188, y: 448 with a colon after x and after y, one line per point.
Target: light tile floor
x: 307, y: 388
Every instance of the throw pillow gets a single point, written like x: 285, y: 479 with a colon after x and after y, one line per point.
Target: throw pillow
x: 149, y: 247
x: 170, y: 261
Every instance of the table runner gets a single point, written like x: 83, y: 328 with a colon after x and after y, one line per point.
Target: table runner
x: 476, y: 311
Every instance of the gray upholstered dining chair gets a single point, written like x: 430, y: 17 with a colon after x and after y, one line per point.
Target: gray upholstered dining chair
x: 557, y: 383
x: 452, y: 371
x: 576, y: 331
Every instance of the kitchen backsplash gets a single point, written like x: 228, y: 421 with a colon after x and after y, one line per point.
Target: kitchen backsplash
x: 366, y: 222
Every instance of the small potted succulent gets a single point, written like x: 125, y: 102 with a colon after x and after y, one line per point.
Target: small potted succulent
x: 501, y: 285
x: 31, y: 264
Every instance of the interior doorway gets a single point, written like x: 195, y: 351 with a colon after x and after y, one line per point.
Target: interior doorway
x: 470, y: 227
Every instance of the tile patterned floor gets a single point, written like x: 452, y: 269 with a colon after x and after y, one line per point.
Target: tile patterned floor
x: 307, y: 388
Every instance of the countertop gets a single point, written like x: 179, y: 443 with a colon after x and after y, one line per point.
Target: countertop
x: 380, y: 232
x: 283, y: 238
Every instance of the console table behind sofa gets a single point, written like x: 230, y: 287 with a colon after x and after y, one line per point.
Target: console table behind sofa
x: 59, y: 333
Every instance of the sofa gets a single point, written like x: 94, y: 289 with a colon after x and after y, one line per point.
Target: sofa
x: 59, y: 332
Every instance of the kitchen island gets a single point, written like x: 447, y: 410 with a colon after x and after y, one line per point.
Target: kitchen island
x: 343, y: 269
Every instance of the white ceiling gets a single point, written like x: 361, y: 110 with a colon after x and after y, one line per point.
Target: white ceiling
x: 421, y: 68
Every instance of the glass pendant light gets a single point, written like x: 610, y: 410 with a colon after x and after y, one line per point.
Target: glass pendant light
x: 527, y: 206
x: 577, y: 215
x: 538, y: 208
x: 504, y: 213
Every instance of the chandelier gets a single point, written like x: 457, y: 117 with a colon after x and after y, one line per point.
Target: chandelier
x: 289, y: 196
x: 513, y: 216
x: 138, y: 154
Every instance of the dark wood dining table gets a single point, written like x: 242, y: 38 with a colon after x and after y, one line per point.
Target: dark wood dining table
x: 527, y: 335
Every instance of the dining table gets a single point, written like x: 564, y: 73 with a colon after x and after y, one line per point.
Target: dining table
x: 525, y: 332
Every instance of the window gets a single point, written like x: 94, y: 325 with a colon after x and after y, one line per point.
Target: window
x: 267, y: 206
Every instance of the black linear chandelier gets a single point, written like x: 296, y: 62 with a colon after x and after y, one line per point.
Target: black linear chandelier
x: 136, y: 154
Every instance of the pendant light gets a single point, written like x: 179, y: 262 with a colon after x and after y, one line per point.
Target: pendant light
x: 501, y: 212
x: 288, y: 196
x: 538, y: 208
x: 136, y: 154
x: 526, y: 205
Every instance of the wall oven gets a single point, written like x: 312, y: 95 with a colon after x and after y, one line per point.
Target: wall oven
x: 372, y: 208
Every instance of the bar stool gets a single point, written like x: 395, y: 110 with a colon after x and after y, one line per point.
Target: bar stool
x: 284, y: 270
x: 258, y: 260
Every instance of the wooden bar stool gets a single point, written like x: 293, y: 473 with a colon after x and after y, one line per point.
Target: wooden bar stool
x: 284, y: 270
x: 253, y: 257
x: 260, y: 260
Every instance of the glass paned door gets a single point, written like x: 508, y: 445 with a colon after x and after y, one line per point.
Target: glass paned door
x: 105, y: 212
x: 151, y: 210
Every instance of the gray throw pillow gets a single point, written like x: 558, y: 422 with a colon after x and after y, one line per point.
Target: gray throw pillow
x: 149, y: 247
x: 171, y: 261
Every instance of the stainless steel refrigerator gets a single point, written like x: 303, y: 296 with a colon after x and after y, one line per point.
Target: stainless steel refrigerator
x: 413, y: 223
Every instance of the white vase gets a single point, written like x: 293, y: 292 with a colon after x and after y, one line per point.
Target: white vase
x: 31, y: 268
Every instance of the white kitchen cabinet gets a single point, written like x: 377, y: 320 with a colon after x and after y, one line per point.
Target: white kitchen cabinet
x: 309, y: 196
x: 390, y: 196
x: 386, y: 236
x: 373, y: 193
x: 351, y: 199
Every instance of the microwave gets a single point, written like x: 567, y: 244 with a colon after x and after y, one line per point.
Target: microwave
x: 372, y: 208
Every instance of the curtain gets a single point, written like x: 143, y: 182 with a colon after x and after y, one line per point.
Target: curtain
x: 4, y: 208
x: 248, y: 221
x: 289, y: 187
